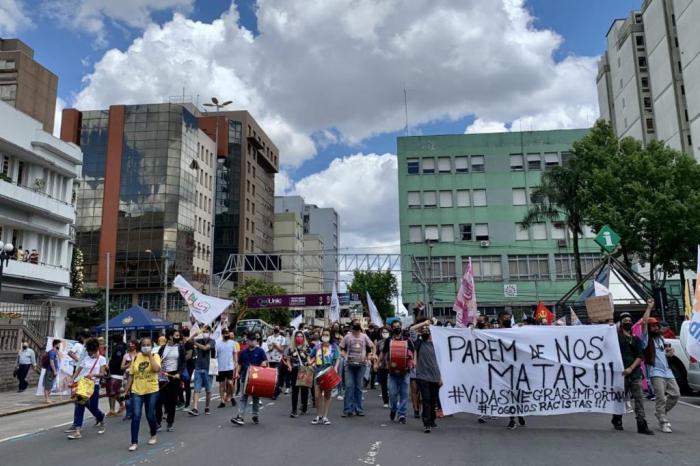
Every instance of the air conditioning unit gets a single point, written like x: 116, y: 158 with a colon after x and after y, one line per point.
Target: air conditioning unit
x: 485, y: 244
x: 561, y: 243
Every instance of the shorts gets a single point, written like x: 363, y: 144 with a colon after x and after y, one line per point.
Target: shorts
x: 49, y: 378
x: 224, y: 375
x: 202, y: 379
x: 113, y: 387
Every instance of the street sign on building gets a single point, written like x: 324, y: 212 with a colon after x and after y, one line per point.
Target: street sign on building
x: 510, y: 290
x: 607, y: 238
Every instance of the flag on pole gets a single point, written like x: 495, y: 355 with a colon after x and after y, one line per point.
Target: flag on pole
x: 335, y: 306
x: 296, y: 321
x: 693, y: 343
x: 543, y: 312
x: 687, y: 300
x: 465, y: 303
x: 574, y: 318
x: 203, y: 308
x: 374, y: 316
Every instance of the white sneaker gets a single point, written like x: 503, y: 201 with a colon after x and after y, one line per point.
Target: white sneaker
x: 133, y: 447
x: 386, y: 405
x: 666, y: 428
x: 153, y: 440
x: 286, y: 391
x: 316, y: 420
x: 340, y: 398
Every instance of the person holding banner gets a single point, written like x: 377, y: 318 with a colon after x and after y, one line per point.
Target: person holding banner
x: 656, y: 356
x: 398, y: 377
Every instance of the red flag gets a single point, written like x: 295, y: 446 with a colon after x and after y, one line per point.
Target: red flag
x: 544, y: 313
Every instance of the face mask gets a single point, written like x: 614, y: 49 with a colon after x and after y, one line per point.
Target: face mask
x: 385, y: 335
x: 146, y: 349
x: 425, y: 336
x: 24, y: 346
x: 205, y: 335
x: 299, y: 340
x: 626, y: 326
x: 356, y: 327
x: 396, y: 331
x: 227, y: 337
x: 177, y: 340
x: 325, y: 339
x: 506, y: 324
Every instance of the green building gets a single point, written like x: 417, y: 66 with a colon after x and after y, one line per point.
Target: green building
x: 463, y: 196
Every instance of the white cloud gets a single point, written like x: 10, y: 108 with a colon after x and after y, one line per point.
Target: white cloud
x: 363, y: 189
x: 486, y: 126
x: 12, y: 17
x: 60, y: 105
x: 336, y: 69
x: 284, y: 185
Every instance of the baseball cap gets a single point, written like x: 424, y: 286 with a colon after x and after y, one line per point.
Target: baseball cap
x: 652, y: 321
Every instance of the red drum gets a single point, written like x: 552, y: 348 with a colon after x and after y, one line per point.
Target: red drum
x: 261, y: 382
x: 328, y: 379
x: 398, y: 356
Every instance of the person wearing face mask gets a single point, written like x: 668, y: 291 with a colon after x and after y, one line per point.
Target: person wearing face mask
x: 382, y: 370
x: 143, y: 389
x: 94, y: 367
x: 172, y: 364
x: 188, y: 346
x: 323, y: 355
x: 632, y: 357
x: 505, y: 319
x: 356, y: 348
x: 398, y: 381
x: 116, y: 377
x: 226, y: 356
x: 203, y: 345
x: 26, y: 359
x: 276, y: 346
x: 296, y: 356
x: 126, y: 364
x: 427, y: 374
x: 253, y: 355
x: 656, y: 354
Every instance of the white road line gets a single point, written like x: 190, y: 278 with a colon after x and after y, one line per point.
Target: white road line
x: 28, y: 434
x: 688, y: 404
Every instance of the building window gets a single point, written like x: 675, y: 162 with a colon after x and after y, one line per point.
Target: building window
x: 429, y: 199
x: 539, y: 231
x: 645, y: 83
x: 650, y: 125
x: 481, y: 232
x: 465, y: 232
x: 445, y: 198
x: 413, y: 166
x: 442, y: 270
x: 415, y: 234
x: 428, y: 165
x: 551, y: 160
x: 558, y: 230
x: 639, y: 39
x: 528, y: 267
x: 432, y: 233
x: 413, y: 199
x: 479, y: 197
x: 444, y: 165
x: 519, y: 196
x: 461, y: 165
x: 447, y: 233
x: 516, y: 162
x: 534, y: 162
x: 477, y: 163
x: 521, y: 233
x: 566, y: 265
x: 486, y: 268
x: 647, y: 103
x: 642, y: 62
x: 463, y: 198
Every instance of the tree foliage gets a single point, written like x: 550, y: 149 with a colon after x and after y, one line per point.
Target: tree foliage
x: 76, y: 273
x: 257, y: 287
x: 382, y: 287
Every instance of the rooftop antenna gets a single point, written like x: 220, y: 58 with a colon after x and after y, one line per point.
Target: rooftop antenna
x: 405, y: 104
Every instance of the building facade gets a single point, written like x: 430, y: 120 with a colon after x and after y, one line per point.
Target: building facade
x: 289, y: 240
x: 313, y: 278
x: 649, y: 77
x: 37, y: 216
x: 319, y: 221
x: 25, y: 84
x: 145, y: 204
x: 464, y: 196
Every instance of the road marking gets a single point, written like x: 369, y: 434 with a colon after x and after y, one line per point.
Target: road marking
x: 688, y: 404
x: 36, y: 432
x: 371, y: 456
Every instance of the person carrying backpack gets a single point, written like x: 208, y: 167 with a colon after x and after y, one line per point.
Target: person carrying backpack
x: 50, y: 363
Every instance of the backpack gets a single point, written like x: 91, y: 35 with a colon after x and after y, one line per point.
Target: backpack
x: 45, y: 360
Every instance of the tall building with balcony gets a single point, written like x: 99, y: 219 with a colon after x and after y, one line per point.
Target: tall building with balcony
x: 37, y: 216
x: 649, y: 76
x: 25, y: 84
x: 145, y: 200
x: 463, y: 196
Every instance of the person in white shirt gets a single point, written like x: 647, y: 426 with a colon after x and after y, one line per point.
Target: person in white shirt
x: 77, y: 351
x: 93, y: 366
x: 26, y: 359
x: 277, y: 345
x: 226, y: 358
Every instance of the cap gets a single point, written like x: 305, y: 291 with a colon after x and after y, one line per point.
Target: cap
x: 652, y: 321
x: 625, y: 315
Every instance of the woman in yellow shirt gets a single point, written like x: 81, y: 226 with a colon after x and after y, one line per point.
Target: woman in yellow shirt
x: 143, y: 387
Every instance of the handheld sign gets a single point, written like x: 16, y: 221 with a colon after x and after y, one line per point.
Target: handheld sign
x: 599, y: 309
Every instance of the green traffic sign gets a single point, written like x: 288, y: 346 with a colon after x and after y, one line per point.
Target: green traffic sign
x: 607, y: 239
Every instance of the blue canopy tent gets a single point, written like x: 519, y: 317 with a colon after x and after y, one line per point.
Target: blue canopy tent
x: 135, y: 318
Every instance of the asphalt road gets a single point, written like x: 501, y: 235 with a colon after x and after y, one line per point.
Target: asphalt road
x: 585, y: 439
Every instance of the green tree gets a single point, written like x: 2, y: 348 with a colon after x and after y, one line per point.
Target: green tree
x: 382, y: 287
x: 257, y: 287
x: 76, y: 273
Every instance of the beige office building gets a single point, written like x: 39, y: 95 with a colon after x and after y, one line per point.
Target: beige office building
x: 289, y: 242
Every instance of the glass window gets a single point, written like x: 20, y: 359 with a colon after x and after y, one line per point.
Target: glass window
x: 479, y: 197
x: 444, y: 165
x: 477, y: 163
x: 551, y: 160
x: 521, y: 234
x: 558, y: 230
x: 465, y: 232
x: 539, y: 231
x: 442, y: 270
x: 461, y: 164
x: 414, y: 199
x: 429, y: 198
x: 486, y: 268
x: 415, y: 233
x: 534, y: 162
x: 519, y: 196
x: 481, y: 232
x: 528, y: 267
x: 428, y: 165
x: 463, y: 198
x: 447, y: 233
x: 516, y: 162
x: 431, y: 233
x: 566, y: 266
x: 445, y: 198
x: 413, y: 166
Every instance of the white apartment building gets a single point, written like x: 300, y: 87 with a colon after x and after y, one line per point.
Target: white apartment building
x: 37, y: 214
x: 288, y: 239
x: 649, y: 77
x: 204, y: 193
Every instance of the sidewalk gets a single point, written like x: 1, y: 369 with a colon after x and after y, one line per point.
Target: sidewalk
x: 15, y: 403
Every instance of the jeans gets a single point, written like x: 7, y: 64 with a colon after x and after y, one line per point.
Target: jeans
x: 202, y: 379
x: 295, y: 393
x: 167, y: 399
x: 398, y: 393
x: 429, y: 394
x: 149, y: 401
x: 353, y: 388
x: 667, y: 395
x: 22, y: 372
x: 92, y: 405
x: 383, y: 378
x: 243, y: 406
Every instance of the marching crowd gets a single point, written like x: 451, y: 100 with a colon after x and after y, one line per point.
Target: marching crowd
x: 312, y: 365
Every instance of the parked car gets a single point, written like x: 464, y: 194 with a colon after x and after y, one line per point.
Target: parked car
x: 685, y: 367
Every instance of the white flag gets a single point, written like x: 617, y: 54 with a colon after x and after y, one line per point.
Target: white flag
x: 693, y: 341
x: 335, y: 306
x: 374, y: 316
x: 202, y: 307
x: 296, y: 321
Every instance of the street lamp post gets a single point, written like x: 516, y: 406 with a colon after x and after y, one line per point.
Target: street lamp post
x: 5, y: 252
x: 164, y: 277
x: 430, y: 242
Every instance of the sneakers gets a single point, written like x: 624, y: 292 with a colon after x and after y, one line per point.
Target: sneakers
x: 359, y: 413
x: 221, y: 405
x: 316, y: 420
x: 340, y: 398
x: 386, y: 405
x: 193, y: 412
x: 521, y: 421
x: 426, y: 429
x: 153, y: 440
x: 286, y: 391
x: 666, y: 428
x: 100, y: 427
x: 293, y: 414
x: 206, y: 411
x: 402, y: 419
x: 238, y: 420
x: 70, y: 430
x: 170, y: 428
x: 482, y: 419
x: 347, y: 414
x: 75, y: 435
x: 326, y: 421
x: 133, y: 447
x: 512, y: 425
x: 392, y: 415
x: 256, y: 420
x: 416, y: 414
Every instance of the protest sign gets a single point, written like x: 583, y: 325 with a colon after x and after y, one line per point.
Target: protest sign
x: 530, y: 371
x: 66, y: 366
x: 599, y: 309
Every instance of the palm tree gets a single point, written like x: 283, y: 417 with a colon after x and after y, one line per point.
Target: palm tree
x: 557, y: 200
